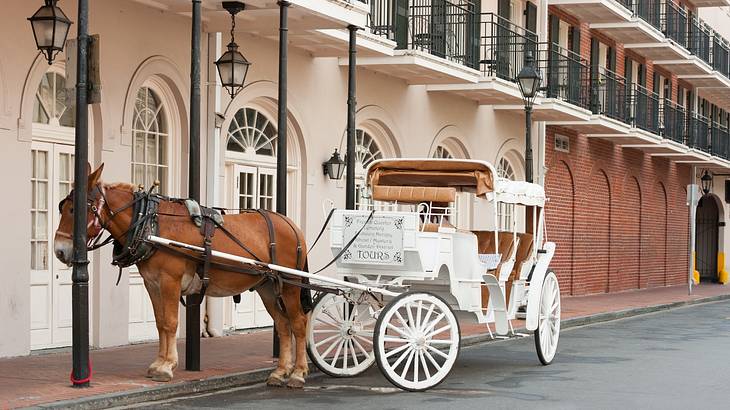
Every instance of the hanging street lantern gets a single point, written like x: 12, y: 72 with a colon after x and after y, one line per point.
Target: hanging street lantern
x: 334, y: 167
x: 706, y: 181
x: 50, y: 28
x: 529, y: 80
x: 232, y: 65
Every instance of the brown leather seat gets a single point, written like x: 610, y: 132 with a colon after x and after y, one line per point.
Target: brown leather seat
x: 524, y: 250
x: 485, y: 244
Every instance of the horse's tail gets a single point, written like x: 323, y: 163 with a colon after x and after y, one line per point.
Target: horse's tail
x: 305, y: 296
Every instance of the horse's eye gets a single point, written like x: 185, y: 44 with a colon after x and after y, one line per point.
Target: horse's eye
x: 71, y: 210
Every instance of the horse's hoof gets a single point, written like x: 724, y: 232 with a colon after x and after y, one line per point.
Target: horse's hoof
x: 275, y: 381
x: 295, y: 382
x: 162, y: 376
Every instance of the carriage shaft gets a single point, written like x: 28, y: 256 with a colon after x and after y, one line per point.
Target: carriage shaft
x: 278, y: 268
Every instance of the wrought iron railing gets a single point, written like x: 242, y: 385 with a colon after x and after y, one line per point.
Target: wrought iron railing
x: 504, y: 46
x: 720, y: 141
x: 608, y: 95
x: 721, y: 55
x: 644, y: 108
x: 566, y: 74
x: 649, y: 11
x: 700, y: 38
x: 446, y: 29
x: 698, y: 132
x: 675, y: 23
x: 674, y: 125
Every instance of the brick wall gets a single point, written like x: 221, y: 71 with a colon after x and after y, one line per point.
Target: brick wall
x: 618, y: 216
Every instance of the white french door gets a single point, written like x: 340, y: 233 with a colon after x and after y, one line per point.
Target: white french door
x: 50, y: 280
x: 253, y: 187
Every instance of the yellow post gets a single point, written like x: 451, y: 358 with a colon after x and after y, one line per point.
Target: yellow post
x: 696, y: 273
x: 722, y: 274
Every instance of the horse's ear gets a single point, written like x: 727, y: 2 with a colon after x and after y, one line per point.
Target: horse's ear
x: 95, y: 176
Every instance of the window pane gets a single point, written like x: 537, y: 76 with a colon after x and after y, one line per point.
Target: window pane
x: 39, y: 113
x: 42, y: 195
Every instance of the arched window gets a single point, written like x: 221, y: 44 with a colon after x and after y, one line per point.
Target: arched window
x: 504, y: 211
x: 50, y: 102
x: 442, y: 152
x: 367, y: 150
x: 251, y: 133
x: 150, y: 160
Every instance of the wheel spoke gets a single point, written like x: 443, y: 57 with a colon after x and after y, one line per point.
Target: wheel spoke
x: 416, y: 355
x: 337, y: 353
x: 434, y: 323
x: 424, y: 365
x: 437, y: 351
x: 408, y: 363
x: 419, y: 309
x: 432, y: 360
x: 316, y: 331
x: 359, y: 346
x: 403, y: 321
x: 323, y: 341
x: 329, y: 349
x: 435, y: 332
x: 389, y: 339
x: 354, y: 354
x: 397, y: 350
x: 327, y: 312
x: 411, y: 322
x: 403, y: 356
x: 328, y: 323
x: 422, y: 325
x: 400, y: 332
x: 345, y: 353
x: 368, y: 341
x: 441, y: 342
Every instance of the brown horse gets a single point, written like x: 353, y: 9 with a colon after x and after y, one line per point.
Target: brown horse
x: 168, y: 276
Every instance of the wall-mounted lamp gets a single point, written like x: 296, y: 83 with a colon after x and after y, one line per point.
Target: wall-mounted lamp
x: 334, y: 167
x: 706, y: 181
x: 50, y: 28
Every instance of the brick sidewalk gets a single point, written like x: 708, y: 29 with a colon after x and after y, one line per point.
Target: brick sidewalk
x: 43, y: 378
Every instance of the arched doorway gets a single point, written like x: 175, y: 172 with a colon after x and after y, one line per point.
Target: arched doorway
x: 706, y: 234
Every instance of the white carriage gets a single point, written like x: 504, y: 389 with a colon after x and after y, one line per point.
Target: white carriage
x: 428, y: 272
x: 405, y: 272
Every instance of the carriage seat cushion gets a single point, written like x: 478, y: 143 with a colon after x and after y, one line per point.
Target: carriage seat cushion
x: 485, y: 243
x: 414, y: 194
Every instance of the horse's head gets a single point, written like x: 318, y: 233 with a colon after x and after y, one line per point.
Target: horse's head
x: 63, y: 242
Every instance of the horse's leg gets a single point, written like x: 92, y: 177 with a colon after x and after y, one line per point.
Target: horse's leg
x: 170, y: 297
x: 298, y: 322
x: 281, y: 324
x: 153, y: 290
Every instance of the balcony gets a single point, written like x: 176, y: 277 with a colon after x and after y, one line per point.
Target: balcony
x: 597, y: 11
x: 437, y: 42
x: 671, y: 22
x: 502, y: 52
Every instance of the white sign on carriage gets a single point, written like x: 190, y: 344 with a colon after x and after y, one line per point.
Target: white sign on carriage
x: 379, y: 243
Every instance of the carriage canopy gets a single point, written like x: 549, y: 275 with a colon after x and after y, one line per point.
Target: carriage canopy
x: 475, y: 176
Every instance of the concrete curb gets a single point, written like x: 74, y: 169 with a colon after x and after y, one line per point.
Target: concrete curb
x: 214, y: 383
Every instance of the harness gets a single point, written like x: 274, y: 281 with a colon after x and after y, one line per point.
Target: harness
x: 145, y: 222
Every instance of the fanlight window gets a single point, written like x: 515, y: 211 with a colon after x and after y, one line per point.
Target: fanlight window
x: 504, y: 211
x: 442, y: 152
x: 251, y: 132
x: 149, y: 152
x: 366, y: 149
x: 50, y: 102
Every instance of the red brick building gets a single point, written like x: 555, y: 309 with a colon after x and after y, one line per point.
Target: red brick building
x: 650, y: 73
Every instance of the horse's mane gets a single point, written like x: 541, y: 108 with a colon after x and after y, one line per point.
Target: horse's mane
x: 121, y: 186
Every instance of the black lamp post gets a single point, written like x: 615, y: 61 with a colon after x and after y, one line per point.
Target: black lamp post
x: 232, y: 65
x: 334, y: 167
x: 529, y: 80
x: 706, y: 181
x: 50, y: 28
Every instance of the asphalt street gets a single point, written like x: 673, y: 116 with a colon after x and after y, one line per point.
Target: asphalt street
x: 677, y: 359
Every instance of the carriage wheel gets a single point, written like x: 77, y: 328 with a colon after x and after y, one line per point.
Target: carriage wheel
x: 416, y: 341
x: 548, y: 327
x: 340, y: 336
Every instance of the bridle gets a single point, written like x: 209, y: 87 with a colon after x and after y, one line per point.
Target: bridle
x: 96, y: 203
